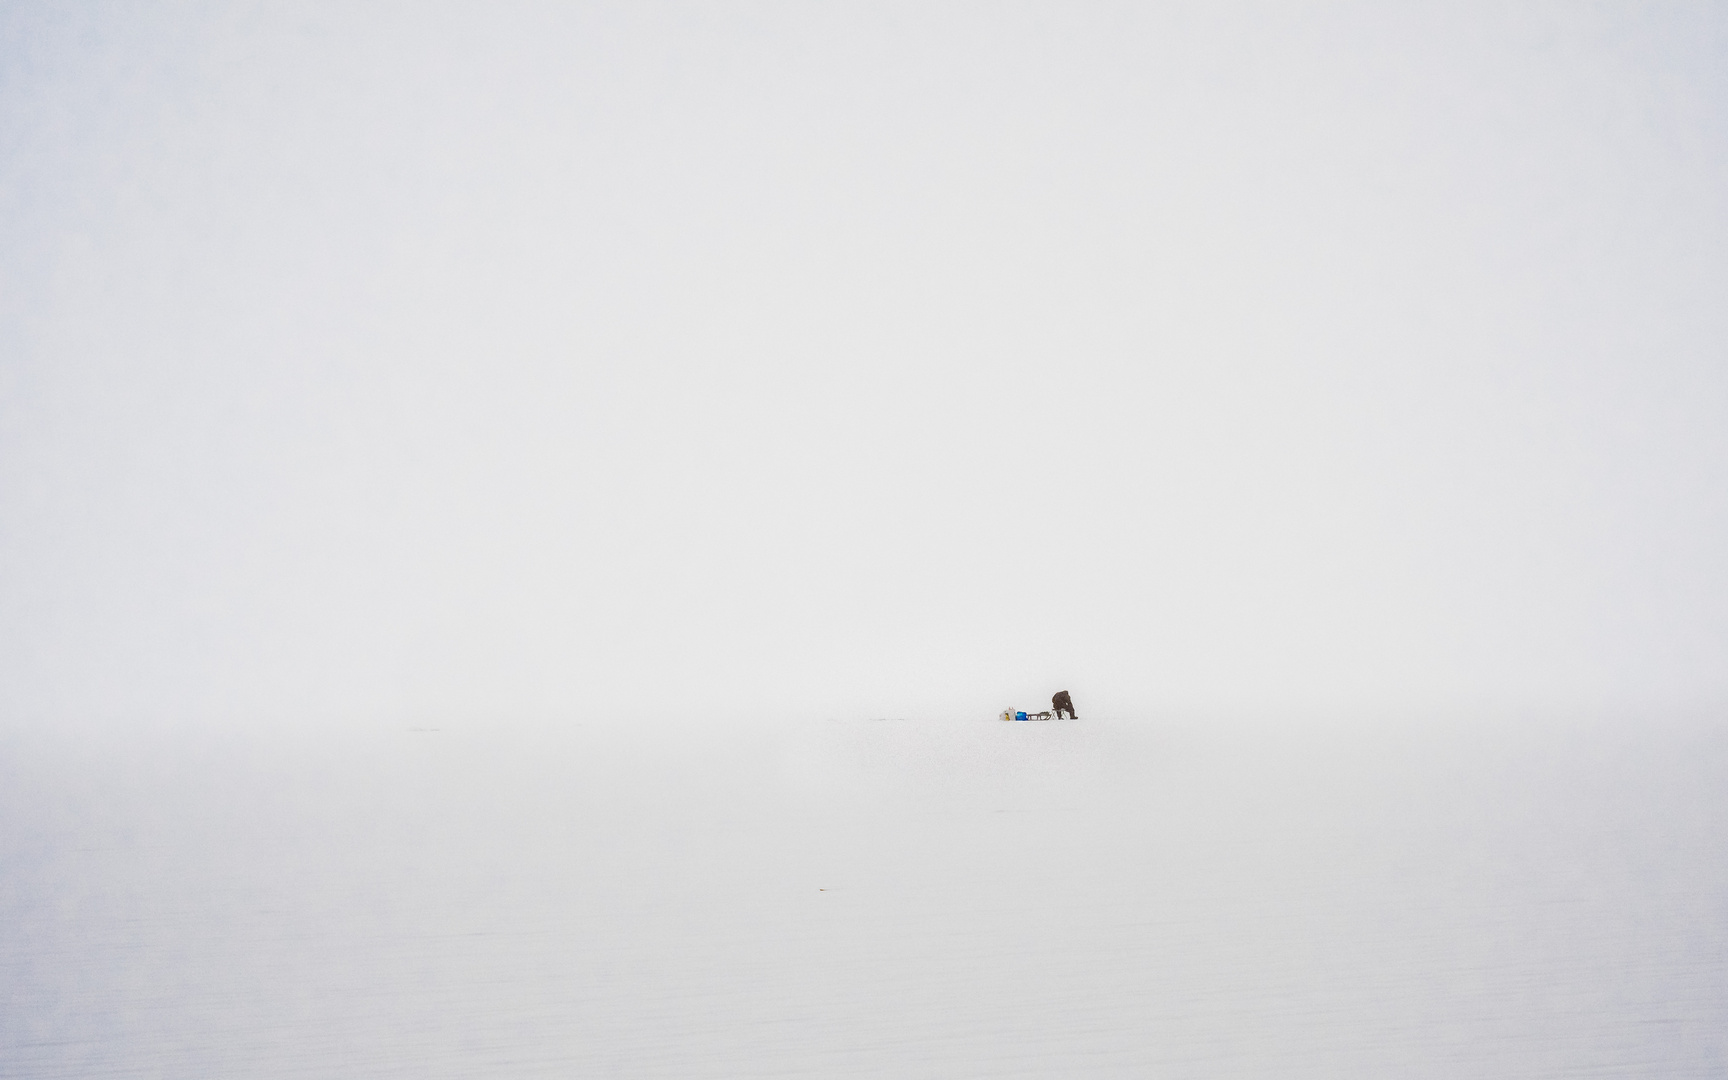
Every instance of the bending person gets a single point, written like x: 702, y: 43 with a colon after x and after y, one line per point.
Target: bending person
x: 1062, y: 703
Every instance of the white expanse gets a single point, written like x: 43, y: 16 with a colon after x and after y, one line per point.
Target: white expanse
x: 471, y: 472
x: 905, y: 897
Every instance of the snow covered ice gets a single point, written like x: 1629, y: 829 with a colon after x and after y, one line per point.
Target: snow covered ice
x: 918, y: 897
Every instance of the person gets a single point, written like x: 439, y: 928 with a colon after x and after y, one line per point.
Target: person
x: 1062, y: 703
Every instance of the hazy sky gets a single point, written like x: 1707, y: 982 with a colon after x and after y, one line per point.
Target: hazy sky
x: 406, y: 360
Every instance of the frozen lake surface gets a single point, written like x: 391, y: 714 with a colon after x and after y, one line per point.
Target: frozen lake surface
x: 852, y: 898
